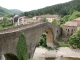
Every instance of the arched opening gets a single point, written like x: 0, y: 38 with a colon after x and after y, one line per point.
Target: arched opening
x: 49, y: 37
x: 8, y: 57
x: 46, y: 39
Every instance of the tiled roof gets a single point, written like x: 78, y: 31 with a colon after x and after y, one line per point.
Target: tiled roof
x: 78, y: 19
x: 29, y: 20
x: 48, y: 16
x: 71, y: 23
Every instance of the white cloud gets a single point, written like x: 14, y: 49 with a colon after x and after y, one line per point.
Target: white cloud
x: 27, y: 5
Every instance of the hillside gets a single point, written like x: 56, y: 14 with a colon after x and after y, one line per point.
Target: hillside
x: 4, y: 11
x: 16, y: 11
x: 61, y: 9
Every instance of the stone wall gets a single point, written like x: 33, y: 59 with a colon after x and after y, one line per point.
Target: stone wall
x: 67, y: 31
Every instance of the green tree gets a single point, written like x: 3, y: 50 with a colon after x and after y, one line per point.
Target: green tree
x: 74, y: 15
x: 5, y: 22
x: 44, y: 19
x: 22, y: 48
x: 54, y: 22
x: 42, y: 41
x: 70, y: 17
x: 61, y: 9
x: 74, y: 40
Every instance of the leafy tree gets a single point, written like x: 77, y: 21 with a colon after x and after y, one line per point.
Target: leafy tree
x: 42, y: 41
x: 64, y: 19
x: 5, y: 22
x: 61, y: 9
x: 44, y: 19
x: 54, y: 22
x: 22, y: 48
x: 74, y: 40
x: 74, y: 15
x: 70, y: 17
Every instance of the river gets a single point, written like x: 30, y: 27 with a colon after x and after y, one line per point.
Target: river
x: 58, y: 58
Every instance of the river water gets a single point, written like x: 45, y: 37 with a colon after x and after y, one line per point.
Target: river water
x: 59, y: 58
x: 62, y: 58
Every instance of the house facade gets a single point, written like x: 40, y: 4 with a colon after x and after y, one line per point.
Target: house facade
x: 70, y: 27
x: 22, y: 20
x: 48, y: 17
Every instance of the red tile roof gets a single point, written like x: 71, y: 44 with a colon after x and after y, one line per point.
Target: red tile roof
x: 71, y: 23
x: 77, y: 19
x: 48, y: 16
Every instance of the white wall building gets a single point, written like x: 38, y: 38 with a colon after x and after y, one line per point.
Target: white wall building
x: 48, y: 17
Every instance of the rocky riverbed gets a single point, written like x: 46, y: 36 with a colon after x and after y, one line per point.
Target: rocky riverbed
x: 42, y: 53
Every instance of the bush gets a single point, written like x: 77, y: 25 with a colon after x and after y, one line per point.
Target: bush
x: 74, y: 40
x: 42, y: 41
x: 43, y: 20
x: 55, y: 22
x: 63, y: 44
x: 22, y: 48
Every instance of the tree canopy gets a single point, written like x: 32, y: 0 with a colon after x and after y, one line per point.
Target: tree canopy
x: 44, y: 19
x: 61, y: 9
x: 54, y: 22
x: 74, y: 40
x: 22, y: 48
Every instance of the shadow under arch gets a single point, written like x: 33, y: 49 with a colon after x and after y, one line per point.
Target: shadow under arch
x: 10, y: 56
x: 49, y: 38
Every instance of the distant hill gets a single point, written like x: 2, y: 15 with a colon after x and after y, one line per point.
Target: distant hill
x: 4, y: 11
x: 61, y: 9
x: 16, y: 11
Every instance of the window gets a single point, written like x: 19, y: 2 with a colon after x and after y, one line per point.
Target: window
x: 68, y: 30
x: 46, y: 32
x: 57, y: 31
x: 72, y: 30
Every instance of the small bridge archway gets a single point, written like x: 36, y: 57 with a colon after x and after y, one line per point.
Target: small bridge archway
x: 8, y: 56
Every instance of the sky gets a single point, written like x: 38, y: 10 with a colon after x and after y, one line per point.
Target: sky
x: 28, y: 5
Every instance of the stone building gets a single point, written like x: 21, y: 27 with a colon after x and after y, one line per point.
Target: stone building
x: 69, y: 28
x: 48, y: 17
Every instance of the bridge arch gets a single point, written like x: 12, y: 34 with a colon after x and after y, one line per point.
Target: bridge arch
x: 32, y: 32
x: 10, y: 56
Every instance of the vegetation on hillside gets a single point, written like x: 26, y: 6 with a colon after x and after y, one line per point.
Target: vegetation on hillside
x: 5, y: 12
x: 70, y: 17
x: 16, y: 11
x: 6, y: 23
x: 61, y: 9
x: 22, y: 48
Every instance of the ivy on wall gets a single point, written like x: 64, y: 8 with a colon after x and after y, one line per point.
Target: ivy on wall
x: 22, y: 48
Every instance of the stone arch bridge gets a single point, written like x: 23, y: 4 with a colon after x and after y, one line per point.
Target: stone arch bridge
x: 9, y: 37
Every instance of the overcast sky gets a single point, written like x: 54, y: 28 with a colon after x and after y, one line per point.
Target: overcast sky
x: 27, y: 5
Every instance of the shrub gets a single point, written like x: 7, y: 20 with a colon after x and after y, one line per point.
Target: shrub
x: 22, y: 48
